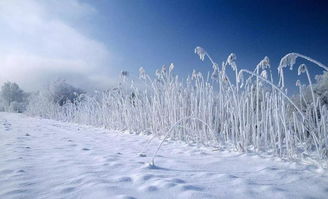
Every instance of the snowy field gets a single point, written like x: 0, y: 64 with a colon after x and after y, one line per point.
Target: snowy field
x: 48, y: 159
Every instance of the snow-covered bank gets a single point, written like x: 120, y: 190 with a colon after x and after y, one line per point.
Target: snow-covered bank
x: 48, y: 159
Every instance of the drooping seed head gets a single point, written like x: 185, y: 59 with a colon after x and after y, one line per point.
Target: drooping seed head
x: 158, y: 73
x: 264, y: 63
x: 194, y: 74
x: 171, y: 67
x: 124, y: 73
x: 223, y: 67
x: 298, y: 83
x: 215, y: 74
x: 240, y: 76
x: 142, y: 73
x: 288, y: 60
x: 200, y: 52
x: 301, y: 69
x: 231, y: 60
x: 264, y: 74
x: 164, y: 69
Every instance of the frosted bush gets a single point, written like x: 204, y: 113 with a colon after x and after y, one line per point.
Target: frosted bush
x: 61, y: 92
x: 12, y: 98
x: 17, y: 107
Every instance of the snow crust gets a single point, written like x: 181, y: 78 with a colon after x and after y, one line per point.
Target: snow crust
x: 42, y: 158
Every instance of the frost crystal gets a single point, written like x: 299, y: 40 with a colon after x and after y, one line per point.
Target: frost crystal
x: 200, y: 52
x: 288, y: 60
x: 301, y: 69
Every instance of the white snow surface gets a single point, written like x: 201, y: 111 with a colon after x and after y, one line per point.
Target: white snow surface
x: 42, y: 158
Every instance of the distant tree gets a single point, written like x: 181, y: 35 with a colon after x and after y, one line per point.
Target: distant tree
x: 320, y: 89
x: 13, y: 98
x: 61, y: 92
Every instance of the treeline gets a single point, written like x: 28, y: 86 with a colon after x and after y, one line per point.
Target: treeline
x: 14, y: 99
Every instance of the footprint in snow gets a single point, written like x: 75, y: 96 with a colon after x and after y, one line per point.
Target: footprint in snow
x: 67, y: 190
x: 7, y: 125
x: 126, y: 197
x: 124, y: 179
x: 191, y: 188
x: 142, y: 155
x: 150, y: 188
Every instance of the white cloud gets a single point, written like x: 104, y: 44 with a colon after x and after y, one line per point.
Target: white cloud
x: 39, y: 43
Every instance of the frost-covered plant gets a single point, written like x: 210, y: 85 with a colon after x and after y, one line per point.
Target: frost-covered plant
x: 249, y: 113
x: 13, y: 98
x: 60, y: 92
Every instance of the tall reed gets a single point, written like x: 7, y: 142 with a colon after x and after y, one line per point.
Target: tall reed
x: 247, y: 114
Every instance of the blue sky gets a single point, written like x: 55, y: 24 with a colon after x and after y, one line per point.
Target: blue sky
x: 90, y: 42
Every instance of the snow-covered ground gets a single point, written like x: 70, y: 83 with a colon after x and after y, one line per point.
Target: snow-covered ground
x: 48, y: 159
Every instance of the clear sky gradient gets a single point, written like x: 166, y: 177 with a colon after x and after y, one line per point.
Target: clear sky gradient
x: 101, y: 38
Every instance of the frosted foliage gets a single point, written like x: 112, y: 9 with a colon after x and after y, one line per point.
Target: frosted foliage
x: 124, y: 73
x: 200, y: 52
x: 243, y: 112
x: 240, y: 77
x: 264, y: 74
x: 231, y: 60
x: 13, y: 99
x: 321, y: 88
x: 298, y: 83
x: 163, y: 69
x: 11, y: 92
x: 288, y: 60
x: 194, y: 74
x: 265, y: 63
x: 301, y: 69
x: 215, y: 66
x: 171, y: 67
x: 61, y: 92
x: 215, y: 74
x: 142, y: 73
